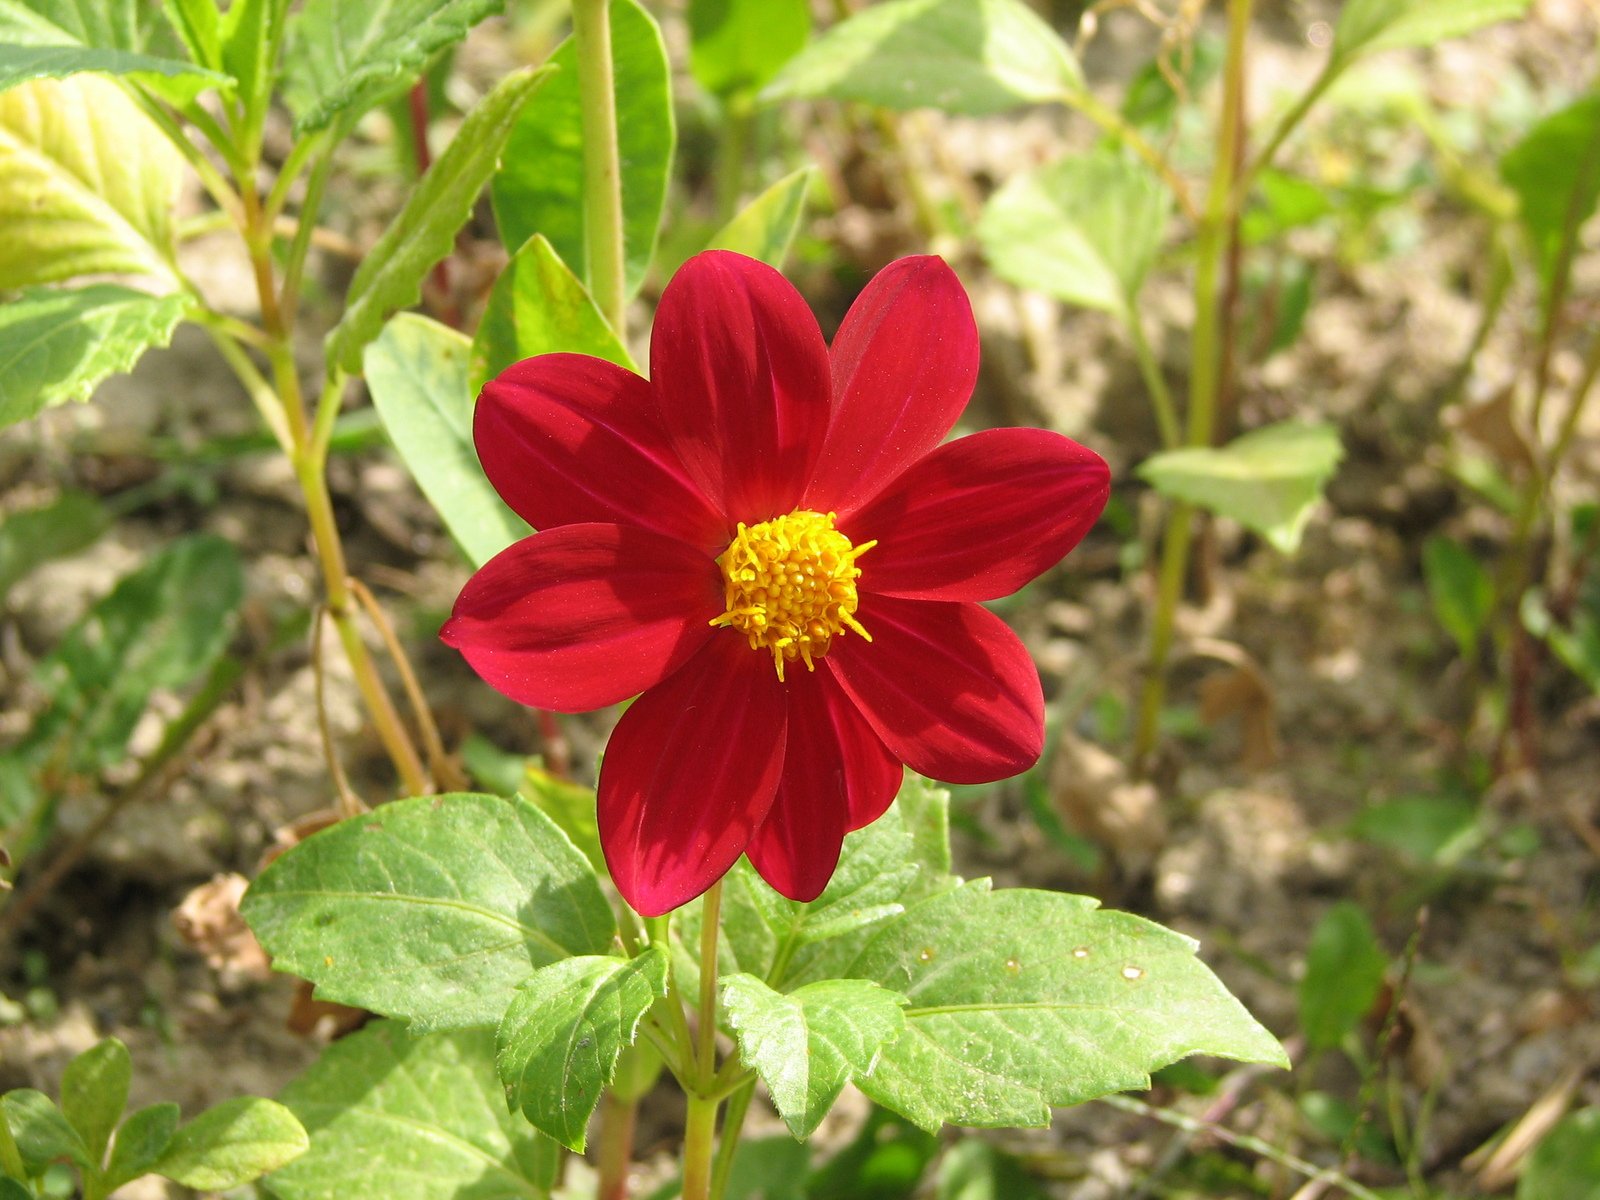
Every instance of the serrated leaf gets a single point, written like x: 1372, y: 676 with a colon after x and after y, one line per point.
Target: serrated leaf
x: 737, y: 46
x: 963, y: 56
x: 558, y: 1045
x: 58, y: 345
x: 417, y: 374
x: 251, y: 34
x: 344, y: 57
x: 423, y: 232
x: 1555, y: 171
x: 42, y: 1134
x: 94, y: 1091
x: 540, y: 187
x: 1566, y: 1162
x: 30, y: 537
x: 87, y: 184
x: 433, y: 910
x: 766, y: 227
x: 52, y: 39
x: 1267, y: 479
x: 1461, y: 590
x: 1022, y: 1000
x: 1344, y: 974
x: 1085, y: 229
x: 411, y: 1119
x: 160, y: 627
x: 231, y: 1144
x: 1367, y: 26
x: 538, y: 306
x: 808, y: 1044
x: 142, y: 1140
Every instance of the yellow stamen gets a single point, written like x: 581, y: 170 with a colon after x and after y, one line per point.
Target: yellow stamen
x: 790, y: 586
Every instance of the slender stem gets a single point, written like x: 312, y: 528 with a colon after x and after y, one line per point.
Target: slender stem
x: 258, y: 389
x: 294, y: 162
x: 350, y: 804
x: 602, y: 169
x: 728, y: 1147
x: 1154, y: 381
x: 1169, y: 591
x: 305, y: 230
x: 699, y: 1143
x: 210, y: 178
x: 618, y: 1119
x: 1290, y: 121
x: 1112, y: 122
x: 733, y: 149
x: 706, y: 1046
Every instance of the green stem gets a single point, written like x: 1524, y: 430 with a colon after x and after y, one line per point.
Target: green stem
x: 618, y: 1119
x: 294, y: 269
x: 728, y: 1149
x: 706, y: 1046
x: 699, y: 1143
x: 1113, y: 124
x: 733, y: 151
x: 1290, y: 121
x: 1154, y: 381
x: 602, y: 170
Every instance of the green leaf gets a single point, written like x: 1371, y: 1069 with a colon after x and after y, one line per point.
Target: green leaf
x: 962, y: 56
x: 1367, y: 26
x: 1461, y: 590
x: 344, y: 58
x: 807, y: 1045
x: 252, y: 33
x: 198, y: 25
x: 161, y: 627
x: 43, y: 1135
x: 1085, y: 229
x: 1555, y: 171
x: 559, y: 1042
x: 87, y: 184
x: 424, y: 230
x: 1267, y: 479
x: 571, y: 806
x: 52, y: 39
x: 411, y: 1119
x: 237, y: 1141
x: 1020, y: 1000
x: 1430, y: 829
x: 417, y: 374
x: 766, y: 227
x: 1344, y: 974
x: 57, y: 345
x: 737, y: 46
x: 94, y: 1091
x: 142, y: 1140
x: 1566, y: 1163
x: 30, y: 537
x: 538, y: 306
x: 434, y: 909
x: 975, y: 1170
x: 1576, y: 644
x: 540, y: 187
x: 10, y: 1189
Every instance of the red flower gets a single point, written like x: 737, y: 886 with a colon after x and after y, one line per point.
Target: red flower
x: 768, y: 541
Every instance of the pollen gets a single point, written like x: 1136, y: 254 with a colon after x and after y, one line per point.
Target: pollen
x: 790, y: 586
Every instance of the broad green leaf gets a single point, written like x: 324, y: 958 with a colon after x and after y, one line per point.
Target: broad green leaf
x: 161, y: 627
x: 1566, y: 1163
x: 1344, y: 974
x: 808, y: 1044
x: 1020, y: 1000
x: 142, y: 1140
x: 1461, y: 590
x: 765, y: 229
x: 52, y: 39
x: 198, y: 25
x: 559, y: 1042
x: 43, y: 1135
x: 1555, y: 171
x: 87, y: 184
x: 10, y: 1189
x: 1367, y: 26
x: 94, y: 1091
x: 975, y: 1170
x: 434, y: 910
x: 1085, y: 229
x: 57, y: 345
x: 1284, y: 202
x: 406, y: 1118
x: 237, y: 1141
x: 424, y: 230
x: 539, y: 189
x: 737, y: 46
x: 538, y: 306
x: 345, y: 57
x: 417, y: 374
x: 29, y: 537
x: 571, y: 806
x: 962, y: 56
x: 1267, y: 479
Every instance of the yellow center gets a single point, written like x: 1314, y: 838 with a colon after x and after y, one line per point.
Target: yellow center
x: 790, y: 585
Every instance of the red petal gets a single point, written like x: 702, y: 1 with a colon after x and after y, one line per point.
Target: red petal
x: 582, y: 616
x: 690, y: 774
x: 566, y: 438
x: 904, y: 363
x: 948, y: 687
x: 837, y: 775
x: 981, y: 516
x: 740, y: 372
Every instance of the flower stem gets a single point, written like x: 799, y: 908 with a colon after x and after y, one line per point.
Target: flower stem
x: 706, y: 1046
x: 733, y: 148
x: 699, y: 1143
x: 738, y: 1106
x: 602, y: 169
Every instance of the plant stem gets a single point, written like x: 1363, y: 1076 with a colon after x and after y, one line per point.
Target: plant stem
x: 733, y: 149
x: 1112, y: 123
x: 699, y: 1142
x: 1154, y: 381
x: 728, y: 1148
x: 618, y: 1119
x: 706, y: 1045
x: 602, y: 169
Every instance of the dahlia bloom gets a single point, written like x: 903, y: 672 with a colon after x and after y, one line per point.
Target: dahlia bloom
x: 768, y: 541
